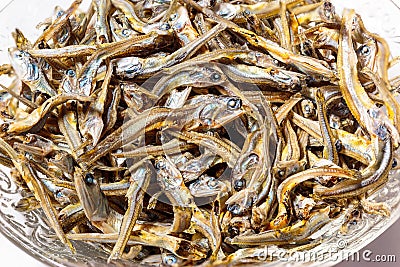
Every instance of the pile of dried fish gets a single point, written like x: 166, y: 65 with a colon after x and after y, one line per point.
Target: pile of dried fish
x: 184, y: 132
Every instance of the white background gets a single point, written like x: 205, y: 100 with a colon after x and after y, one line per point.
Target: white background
x: 19, y: 13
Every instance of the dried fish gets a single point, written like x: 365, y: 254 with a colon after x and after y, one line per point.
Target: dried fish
x: 180, y: 132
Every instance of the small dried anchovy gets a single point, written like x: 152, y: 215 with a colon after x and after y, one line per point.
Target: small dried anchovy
x: 199, y: 131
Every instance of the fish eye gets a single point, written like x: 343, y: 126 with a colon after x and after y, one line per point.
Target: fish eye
x: 394, y: 164
x: 89, y: 179
x: 19, y: 54
x: 246, y: 12
x: 212, y: 183
x: 365, y: 50
x: 233, y: 230
x: 239, y: 184
x: 373, y: 113
x: 60, y: 13
x: 41, y: 45
x: 338, y: 145
x: 253, y: 158
x: 328, y: 5
x: 165, y: 27
x: 126, y: 32
x: 173, y: 17
x: 160, y: 164
x: 28, y: 155
x: 4, y: 127
x: 381, y: 132
x: 353, y: 222
x: 70, y: 73
x: 234, y: 103
x: 235, y: 209
x: 208, y: 122
x: 280, y: 173
x: 355, y: 213
x: 170, y: 260
x: 59, y: 194
x: 328, y: 9
x: 215, y: 77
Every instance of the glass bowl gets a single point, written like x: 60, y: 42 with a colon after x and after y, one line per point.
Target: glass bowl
x: 29, y: 231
